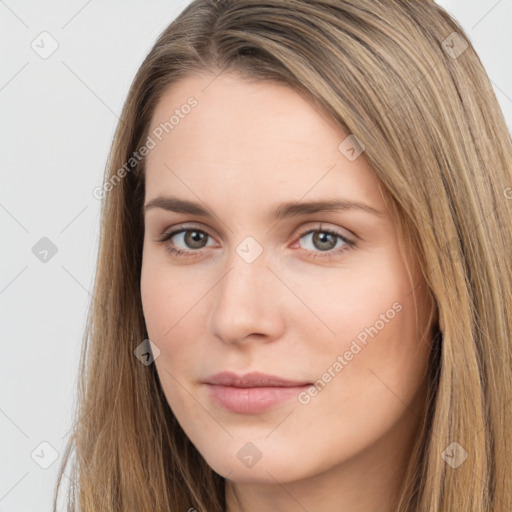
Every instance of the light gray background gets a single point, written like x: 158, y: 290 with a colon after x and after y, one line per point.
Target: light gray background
x: 57, y: 123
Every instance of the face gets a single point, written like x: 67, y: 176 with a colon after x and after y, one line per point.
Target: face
x: 308, y: 309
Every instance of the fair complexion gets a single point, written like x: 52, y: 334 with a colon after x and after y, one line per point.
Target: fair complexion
x: 292, y: 310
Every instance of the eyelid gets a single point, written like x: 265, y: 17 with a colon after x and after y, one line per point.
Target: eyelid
x: 180, y: 228
x: 324, y: 226
x: 300, y: 232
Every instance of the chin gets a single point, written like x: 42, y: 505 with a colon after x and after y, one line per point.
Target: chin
x: 259, y: 474
x: 242, y: 462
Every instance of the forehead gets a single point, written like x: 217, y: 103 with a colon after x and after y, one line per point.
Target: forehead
x: 248, y: 138
x: 235, y: 114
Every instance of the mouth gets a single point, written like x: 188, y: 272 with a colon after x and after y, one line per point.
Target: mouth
x: 253, y: 392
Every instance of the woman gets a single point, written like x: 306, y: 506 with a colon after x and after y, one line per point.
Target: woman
x: 303, y: 294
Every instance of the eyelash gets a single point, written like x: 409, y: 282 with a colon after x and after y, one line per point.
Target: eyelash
x: 349, y: 244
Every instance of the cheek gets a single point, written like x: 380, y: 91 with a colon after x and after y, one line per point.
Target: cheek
x: 165, y: 294
x: 376, y: 345
x: 156, y: 302
x: 357, y: 302
x: 165, y: 302
x: 171, y: 303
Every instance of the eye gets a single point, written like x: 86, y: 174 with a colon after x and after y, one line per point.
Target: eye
x: 192, y: 237
x: 324, y: 242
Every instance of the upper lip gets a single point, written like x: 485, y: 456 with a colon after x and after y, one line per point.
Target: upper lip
x: 252, y: 380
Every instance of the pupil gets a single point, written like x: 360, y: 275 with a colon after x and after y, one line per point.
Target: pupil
x: 321, y: 238
x: 194, y: 237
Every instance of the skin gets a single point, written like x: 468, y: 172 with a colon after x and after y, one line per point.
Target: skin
x: 247, y: 147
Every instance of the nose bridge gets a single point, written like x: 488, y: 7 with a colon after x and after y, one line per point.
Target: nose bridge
x: 245, y: 298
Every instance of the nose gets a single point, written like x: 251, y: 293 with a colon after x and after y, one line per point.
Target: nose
x: 249, y: 302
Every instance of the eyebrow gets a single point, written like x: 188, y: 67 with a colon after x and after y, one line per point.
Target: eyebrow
x: 290, y: 209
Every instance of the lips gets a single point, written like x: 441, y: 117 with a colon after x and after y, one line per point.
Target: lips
x: 252, y: 380
x: 253, y: 392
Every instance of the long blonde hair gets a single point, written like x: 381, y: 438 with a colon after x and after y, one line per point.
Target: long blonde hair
x: 403, y: 77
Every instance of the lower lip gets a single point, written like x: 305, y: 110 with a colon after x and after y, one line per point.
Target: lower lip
x: 252, y: 400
